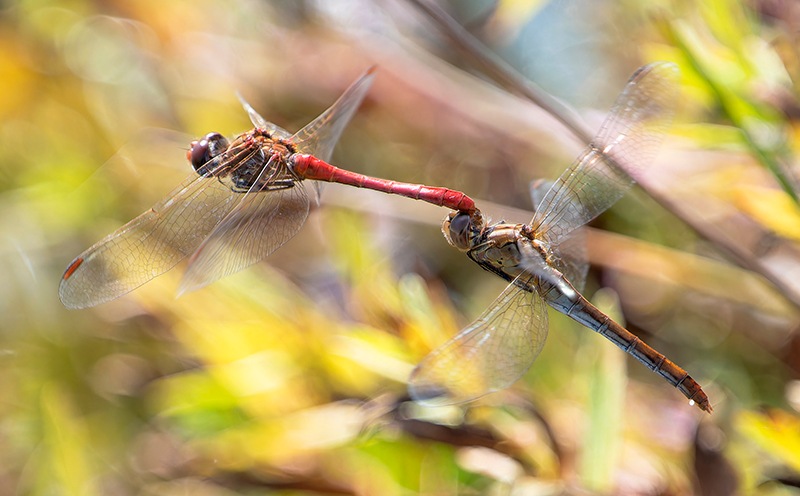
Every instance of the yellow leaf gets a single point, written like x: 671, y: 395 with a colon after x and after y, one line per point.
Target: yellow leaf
x: 770, y: 207
x: 777, y: 432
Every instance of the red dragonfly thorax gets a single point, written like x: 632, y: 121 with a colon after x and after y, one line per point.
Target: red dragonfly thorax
x: 253, y: 161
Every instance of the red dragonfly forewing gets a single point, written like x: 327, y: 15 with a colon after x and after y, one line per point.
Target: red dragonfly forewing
x: 147, y: 246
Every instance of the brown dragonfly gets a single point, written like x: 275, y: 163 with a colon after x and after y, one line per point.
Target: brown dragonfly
x: 544, y: 260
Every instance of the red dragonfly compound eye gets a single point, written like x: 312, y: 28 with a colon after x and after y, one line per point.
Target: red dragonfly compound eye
x: 201, y: 153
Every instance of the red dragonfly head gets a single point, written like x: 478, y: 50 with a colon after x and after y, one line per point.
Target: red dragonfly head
x: 201, y: 153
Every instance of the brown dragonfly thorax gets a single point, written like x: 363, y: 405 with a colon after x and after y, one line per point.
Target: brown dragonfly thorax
x: 512, y: 251
x: 506, y: 250
x: 254, y: 161
x: 500, y: 248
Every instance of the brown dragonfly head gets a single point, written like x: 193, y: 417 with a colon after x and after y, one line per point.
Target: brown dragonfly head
x: 201, y: 153
x: 461, y: 228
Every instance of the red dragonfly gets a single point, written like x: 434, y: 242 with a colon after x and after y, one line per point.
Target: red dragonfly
x: 245, y: 199
x: 544, y: 260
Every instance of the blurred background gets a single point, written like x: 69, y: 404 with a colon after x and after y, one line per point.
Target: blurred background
x: 289, y: 377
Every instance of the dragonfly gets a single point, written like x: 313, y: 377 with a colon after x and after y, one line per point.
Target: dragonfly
x: 544, y: 261
x: 245, y: 198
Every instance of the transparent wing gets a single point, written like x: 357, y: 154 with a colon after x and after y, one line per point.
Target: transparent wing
x: 569, y: 256
x: 630, y: 136
x: 147, y: 246
x: 259, y: 224
x: 488, y: 355
x: 320, y: 136
x: 260, y: 122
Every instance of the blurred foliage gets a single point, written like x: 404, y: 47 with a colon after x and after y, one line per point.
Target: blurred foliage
x: 289, y: 378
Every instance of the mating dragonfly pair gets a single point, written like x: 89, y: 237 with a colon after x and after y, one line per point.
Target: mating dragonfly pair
x: 247, y: 197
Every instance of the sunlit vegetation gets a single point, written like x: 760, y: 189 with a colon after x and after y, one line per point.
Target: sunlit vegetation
x: 290, y: 377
